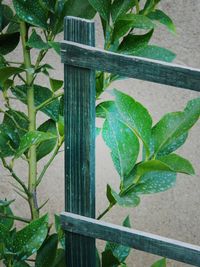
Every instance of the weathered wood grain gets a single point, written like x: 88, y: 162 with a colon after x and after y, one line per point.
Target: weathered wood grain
x: 139, y: 240
x: 79, y: 85
x: 128, y: 66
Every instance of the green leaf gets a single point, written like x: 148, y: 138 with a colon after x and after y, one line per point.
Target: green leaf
x: 60, y: 258
x: 42, y: 94
x: 82, y: 9
x: 130, y: 199
x: 6, y: 15
x: 7, y: 72
x: 32, y: 138
x: 150, y: 5
x: 61, y: 127
x: 44, y: 148
x: 164, y: 19
x: 135, y: 116
x: 35, y: 41
x: 131, y: 43
x: 178, y: 164
x: 32, y: 12
x: 7, y: 136
x: 49, y: 4
x: 129, y: 21
x: 28, y: 240
x: 47, y: 252
x: 175, y: 124
x: 155, y: 52
x: 6, y: 210
x: 4, y: 236
x: 59, y: 230
x: 102, y: 7
x: 120, y: 7
x: 55, y: 46
x: 123, y: 143
x: 13, y: 26
x: 97, y: 131
x: 119, y: 251
x: 155, y: 182
x: 2, y: 62
x: 108, y: 259
x: 160, y: 263
x: 55, y: 84
x: 21, y: 264
x: 104, y: 108
x: 98, y: 260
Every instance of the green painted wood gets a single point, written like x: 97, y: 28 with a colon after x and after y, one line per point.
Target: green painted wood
x: 139, y: 240
x: 128, y: 66
x: 79, y: 144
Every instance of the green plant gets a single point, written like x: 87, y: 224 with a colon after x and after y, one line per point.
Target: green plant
x: 36, y: 24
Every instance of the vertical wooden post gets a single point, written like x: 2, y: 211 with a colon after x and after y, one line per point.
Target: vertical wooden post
x: 79, y: 144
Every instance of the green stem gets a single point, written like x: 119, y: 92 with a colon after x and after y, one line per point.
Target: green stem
x: 32, y: 123
x: 105, y: 211
x: 137, y: 6
x: 17, y: 218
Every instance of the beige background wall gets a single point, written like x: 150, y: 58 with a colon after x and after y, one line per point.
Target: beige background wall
x: 175, y: 213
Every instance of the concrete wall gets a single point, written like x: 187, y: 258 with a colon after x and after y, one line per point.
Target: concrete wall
x: 175, y: 213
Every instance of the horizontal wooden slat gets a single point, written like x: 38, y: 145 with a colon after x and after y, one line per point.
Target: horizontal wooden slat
x: 154, y: 244
x: 134, y: 67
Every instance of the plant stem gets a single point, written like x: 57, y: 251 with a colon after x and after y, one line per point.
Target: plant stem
x: 32, y: 123
x: 17, y: 218
x: 105, y: 211
x: 137, y: 6
x: 59, y: 144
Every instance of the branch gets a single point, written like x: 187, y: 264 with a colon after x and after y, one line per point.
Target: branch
x: 17, y: 218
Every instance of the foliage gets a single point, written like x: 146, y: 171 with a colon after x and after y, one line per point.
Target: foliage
x: 127, y: 125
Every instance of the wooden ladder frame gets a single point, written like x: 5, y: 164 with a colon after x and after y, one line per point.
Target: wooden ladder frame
x: 81, y: 59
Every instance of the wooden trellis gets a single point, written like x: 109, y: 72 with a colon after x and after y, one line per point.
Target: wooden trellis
x: 81, y: 59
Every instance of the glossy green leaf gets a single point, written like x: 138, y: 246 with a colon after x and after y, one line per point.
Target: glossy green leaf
x: 155, y: 52
x: 129, y: 199
x: 55, y: 46
x: 102, y: 7
x: 32, y: 12
x: 109, y: 195
x: 46, y: 147
x: 7, y: 136
x: 28, y: 240
x: 42, y: 94
x: 7, y: 72
x: 135, y: 116
x: 126, y: 22
x: 121, y: 7
x: 55, y: 84
x: 49, y: 4
x: 119, y: 251
x: 35, y: 41
x: 131, y: 43
x: 104, y: 108
x: 47, y: 253
x: 6, y: 15
x: 175, y: 124
x: 178, y: 164
x: 123, y: 143
x: 155, y: 182
x: 160, y: 263
x: 174, y: 144
x: 6, y: 210
x: 33, y: 138
x: 163, y: 18
x: 81, y: 9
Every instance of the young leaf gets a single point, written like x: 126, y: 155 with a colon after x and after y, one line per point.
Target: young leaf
x: 33, y: 138
x: 8, y: 42
x: 44, y: 148
x: 123, y: 143
x: 178, y: 164
x: 32, y: 12
x: 47, y: 252
x: 175, y: 124
x: 35, y: 41
x: 155, y: 52
x: 160, y: 263
x: 135, y: 116
x: 42, y: 94
x: 121, y: 7
x: 28, y: 240
x: 55, y: 84
x: 131, y: 43
x: 102, y: 7
x: 155, y: 182
x: 129, y: 21
x: 161, y: 17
